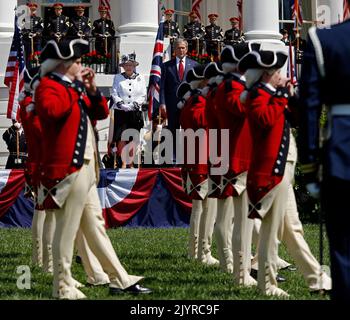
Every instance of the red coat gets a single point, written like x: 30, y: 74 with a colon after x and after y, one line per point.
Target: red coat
x: 33, y: 133
x: 213, y: 123
x: 232, y: 116
x: 193, y: 116
x: 64, y: 126
x: 270, y: 132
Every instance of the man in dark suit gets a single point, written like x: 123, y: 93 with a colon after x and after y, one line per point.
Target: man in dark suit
x: 173, y: 73
x: 324, y: 81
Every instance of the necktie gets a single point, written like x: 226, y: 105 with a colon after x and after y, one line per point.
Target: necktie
x: 181, y: 70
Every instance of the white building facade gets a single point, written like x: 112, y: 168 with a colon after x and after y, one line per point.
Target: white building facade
x: 137, y: 21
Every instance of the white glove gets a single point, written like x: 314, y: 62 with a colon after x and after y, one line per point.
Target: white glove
x: 125, y: 107
x: 314, y: 189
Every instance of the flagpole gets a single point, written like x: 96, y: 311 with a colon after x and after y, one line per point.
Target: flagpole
x: 296, y: 8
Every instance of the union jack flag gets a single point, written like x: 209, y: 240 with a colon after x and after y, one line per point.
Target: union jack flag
x: 14, y: 77
x: 107, y: 4
x: 346, y: 12
x: 196, y: 4
x: 297, y: 13
x: 156, y: 72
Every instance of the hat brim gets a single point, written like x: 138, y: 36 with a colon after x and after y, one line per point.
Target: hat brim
x: 262, y: 60
x: 65, y: 50
x: 124, y: 63
x: 212, y: 70
x: 183, y: 89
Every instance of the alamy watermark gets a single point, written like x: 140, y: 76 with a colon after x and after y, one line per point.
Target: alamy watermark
x: 24, y: 278
x: 190, y: 147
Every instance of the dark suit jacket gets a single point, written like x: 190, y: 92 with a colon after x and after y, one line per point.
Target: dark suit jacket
x: 169, y: 84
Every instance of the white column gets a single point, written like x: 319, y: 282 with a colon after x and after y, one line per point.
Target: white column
x: 138, y: 29
x: 329, y: 11
x: 7, y: 15
x: 227, y: 9
x: 261, y: 21
x: 139, y: 17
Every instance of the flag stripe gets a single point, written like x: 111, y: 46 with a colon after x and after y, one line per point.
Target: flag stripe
x: 346, y: 11
x: 196, y: 7
x: 107, y: 4
x: 156, y: 72
x: 14, y: 74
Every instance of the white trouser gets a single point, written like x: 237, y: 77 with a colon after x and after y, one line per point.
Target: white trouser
x: 242, y: 241
x: 196, y: 213
x: 223, y: 233
x: 206, y: 229
x: 281, y: 264
x: 292, y: 236
x: 268, y: 239
x: 82, y: 210
x: 37, y: 237
x: 48, y: 233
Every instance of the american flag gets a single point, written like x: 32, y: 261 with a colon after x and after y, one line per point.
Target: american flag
x: 156, y: 72
x: 240, y: 13
x: 196, y: 4
x: 14, y: 77
x: 107, y: 4
x: 346, y: 12
x: 297, y: 12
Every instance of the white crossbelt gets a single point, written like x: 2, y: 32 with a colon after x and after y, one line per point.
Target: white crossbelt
x: 340, y: 110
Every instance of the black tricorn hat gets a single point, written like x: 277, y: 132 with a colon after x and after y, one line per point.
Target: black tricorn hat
x: 183, y: 88
x: 233, y: 54
x: 195, y: 74
x: 30, y: 73
x: 213, y: 69
x: 263, y: 59
x: 65, y: 49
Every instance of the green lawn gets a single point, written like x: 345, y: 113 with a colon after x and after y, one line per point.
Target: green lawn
x: 158, y: 254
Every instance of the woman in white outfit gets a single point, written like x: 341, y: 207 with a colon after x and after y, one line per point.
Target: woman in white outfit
x: 128, y: 94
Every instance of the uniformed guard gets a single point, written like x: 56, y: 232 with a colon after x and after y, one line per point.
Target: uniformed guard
x: 170, y: 27
x: 234, y: 35
x: 324, y: 80
x: 59, y: 24
x: 213, y: 37
x: 285, y: 36
x: 32, y: 35
x: 80, y: 24
x: 299, y: 44
x: 194, y: 33
x: 16, y: 145
x: 103, y: 30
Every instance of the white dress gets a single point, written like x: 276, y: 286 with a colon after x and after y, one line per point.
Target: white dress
x: 128, y: 94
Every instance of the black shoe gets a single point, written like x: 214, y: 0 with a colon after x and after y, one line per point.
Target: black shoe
x: 290, y: 268
x: 321, y: 292
x: 134, y: 289
x: 78, y: 260
x: 254, y: 274
x: 280, y: 278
